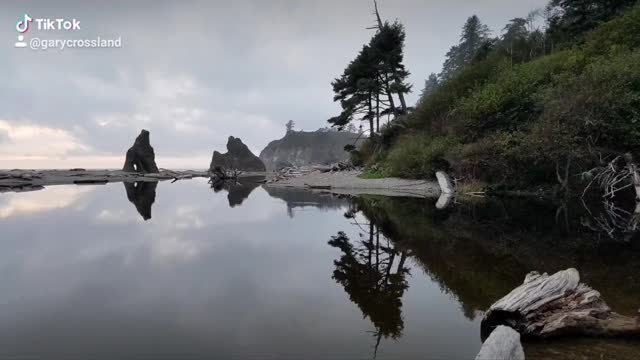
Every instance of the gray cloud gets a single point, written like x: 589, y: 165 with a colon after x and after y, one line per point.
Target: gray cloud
x: 195, y: 72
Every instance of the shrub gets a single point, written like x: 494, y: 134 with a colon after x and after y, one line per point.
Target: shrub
x: 419, y: 157
x: 622, y: 33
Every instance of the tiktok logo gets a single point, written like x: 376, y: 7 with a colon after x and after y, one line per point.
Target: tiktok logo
x: 23, y: 25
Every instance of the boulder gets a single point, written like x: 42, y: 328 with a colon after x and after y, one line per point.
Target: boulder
x: 237, y: 157
x: 140, y: 157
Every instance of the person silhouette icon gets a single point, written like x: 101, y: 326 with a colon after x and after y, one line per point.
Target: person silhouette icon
x: 20, y: 43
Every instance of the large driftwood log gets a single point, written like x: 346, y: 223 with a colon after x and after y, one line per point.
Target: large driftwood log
x: 556, y: 305
x: 503, y: 344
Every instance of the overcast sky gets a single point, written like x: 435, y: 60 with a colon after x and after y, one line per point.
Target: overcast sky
x: 194, y: 73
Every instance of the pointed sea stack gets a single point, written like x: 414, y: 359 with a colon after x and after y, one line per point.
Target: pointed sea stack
x: 140, y: 157
x: 238, y: 157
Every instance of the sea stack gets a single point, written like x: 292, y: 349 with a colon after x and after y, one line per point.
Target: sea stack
x: 237, y: 157
x: 140, y: 157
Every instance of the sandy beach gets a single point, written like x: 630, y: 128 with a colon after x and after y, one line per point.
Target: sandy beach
x: 349, y: 182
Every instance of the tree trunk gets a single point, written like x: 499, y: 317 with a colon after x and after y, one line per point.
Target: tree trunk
x: 370, y: 116
x: 558, y: 305
x: 379, y: 20
x: 378, y: 111
x: 392, y: 105
x: 403, y: 103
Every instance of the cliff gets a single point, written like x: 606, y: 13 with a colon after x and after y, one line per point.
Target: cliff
x: 307, y: 148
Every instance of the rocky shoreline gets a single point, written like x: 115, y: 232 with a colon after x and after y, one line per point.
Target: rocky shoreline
x: 338, y: 182
x: 28, y: 180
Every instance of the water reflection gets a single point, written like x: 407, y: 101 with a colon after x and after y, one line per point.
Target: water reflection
x: 83, y: 275
x: 142, y: 195
x: 238, y: 189
x: 301, y: 198
x: 375, y: 283
x: 478, y: 251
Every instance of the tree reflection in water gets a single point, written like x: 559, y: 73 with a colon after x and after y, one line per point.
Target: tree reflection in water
x: 374, y: 281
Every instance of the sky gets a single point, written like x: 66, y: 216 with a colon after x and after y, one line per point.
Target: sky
x: 194, y: 73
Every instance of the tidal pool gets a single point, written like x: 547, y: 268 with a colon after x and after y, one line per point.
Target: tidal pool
x: 161, y: 270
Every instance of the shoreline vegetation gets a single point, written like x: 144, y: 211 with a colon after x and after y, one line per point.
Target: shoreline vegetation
x: 549, y: 106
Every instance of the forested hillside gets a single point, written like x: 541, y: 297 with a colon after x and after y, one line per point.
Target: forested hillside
x: 554, y: 100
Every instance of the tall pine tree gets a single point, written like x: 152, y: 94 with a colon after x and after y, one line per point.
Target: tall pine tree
x: 368, y: 85
x: 474, y: 35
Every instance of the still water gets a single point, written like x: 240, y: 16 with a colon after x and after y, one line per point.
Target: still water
x: 168, y: 271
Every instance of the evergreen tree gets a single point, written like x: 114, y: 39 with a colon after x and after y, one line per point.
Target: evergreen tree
x: 474, y: 36
x: 430, y: 85
x: 290, y: 124
x: 388, y: 44
x: 355, y: 90
x: 368, y: 85
x: 515, y: 40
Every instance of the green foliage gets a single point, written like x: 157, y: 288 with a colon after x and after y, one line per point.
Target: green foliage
x: 375, y: 173
x: 515, y: 120
x: 619, y: 34
x: 600, y: 108
x: 573, y: 18
x: 433, y: 113
x: 512, y: 100
x: 419, y: 157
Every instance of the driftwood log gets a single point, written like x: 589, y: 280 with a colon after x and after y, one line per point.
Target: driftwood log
x: 446, y: 185
x: 557, y: 305
x: 503, y: 343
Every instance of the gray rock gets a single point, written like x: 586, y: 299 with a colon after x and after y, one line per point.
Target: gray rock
x: 237, y: 157
x: 140, y: 157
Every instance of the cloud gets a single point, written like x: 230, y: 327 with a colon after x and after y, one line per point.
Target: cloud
x: 4, y: 136
x: 210, y: 69
x: 38, y: 141
x: 30, y: 203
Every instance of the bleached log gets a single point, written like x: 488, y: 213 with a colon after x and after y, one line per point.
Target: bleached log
x: 503, y: 344
x: 446, y: 186
x: 547, y: 306
x: 444, y: 201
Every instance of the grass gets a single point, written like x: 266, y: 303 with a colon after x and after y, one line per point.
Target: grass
x: 373, y: 174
